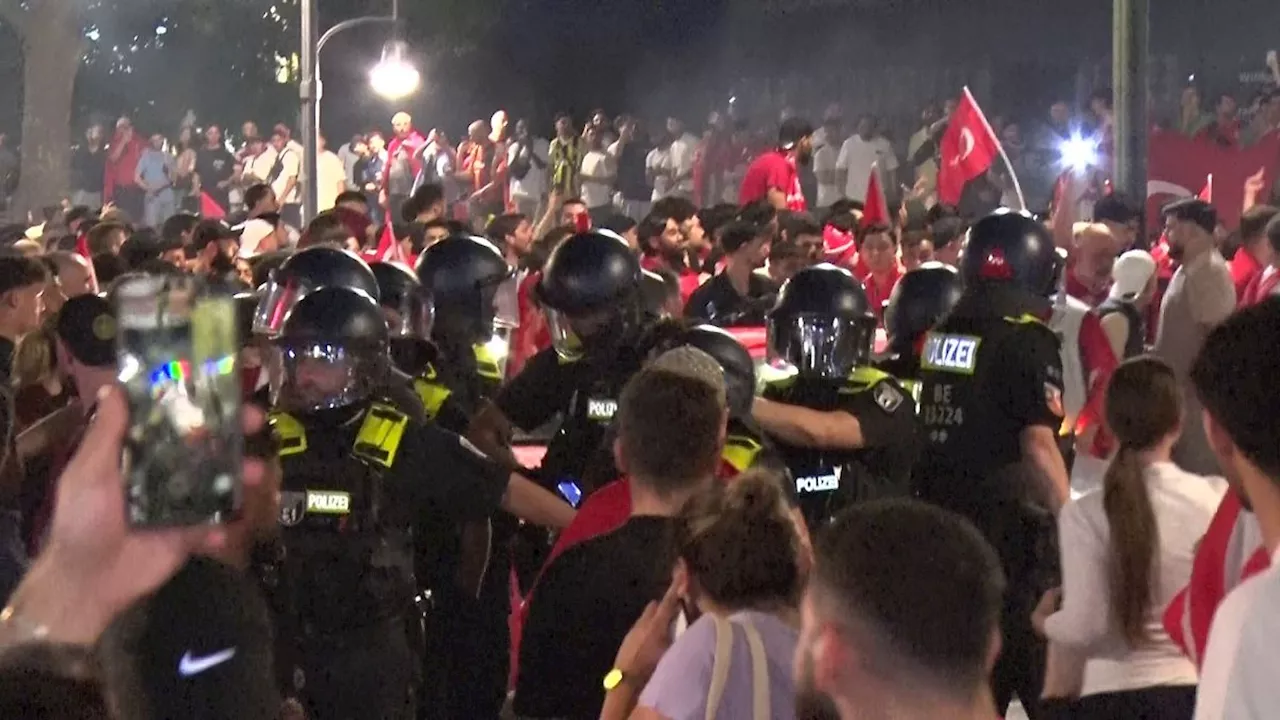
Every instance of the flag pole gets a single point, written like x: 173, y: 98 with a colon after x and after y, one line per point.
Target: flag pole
x: 1017, y: 186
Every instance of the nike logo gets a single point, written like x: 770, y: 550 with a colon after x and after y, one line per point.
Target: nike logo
x: 195, y: 664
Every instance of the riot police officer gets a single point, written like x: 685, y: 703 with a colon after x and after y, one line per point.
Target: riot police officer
x: 846, y: 430
x: 590, y: 293
x: 409, y: 312
x: 920, y: 300
x: 359, y: 475
x: 312, y: 269
x: 991, y: 404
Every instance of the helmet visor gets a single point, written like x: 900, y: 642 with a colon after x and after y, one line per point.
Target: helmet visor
x: 275, y: 302
x: 572, y: 336
x: 411, y: 315
x: 307, y: 377
x: 821, y: 345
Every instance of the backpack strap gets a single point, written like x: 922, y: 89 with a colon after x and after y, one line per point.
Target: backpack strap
x: 720, y: 666
x: 760, y: 700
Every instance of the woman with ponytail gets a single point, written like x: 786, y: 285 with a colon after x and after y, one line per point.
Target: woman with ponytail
x: 1126, y: 551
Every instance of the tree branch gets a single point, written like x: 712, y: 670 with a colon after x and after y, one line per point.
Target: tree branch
x: 13, y: 15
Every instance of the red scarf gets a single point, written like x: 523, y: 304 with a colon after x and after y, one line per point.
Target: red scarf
x: 878, y: 287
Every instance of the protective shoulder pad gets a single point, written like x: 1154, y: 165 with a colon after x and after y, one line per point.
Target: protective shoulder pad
x: 290, y: 432
x: 380, y: 434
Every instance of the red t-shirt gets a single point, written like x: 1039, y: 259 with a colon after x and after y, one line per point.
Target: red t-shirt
x: 773, y: 170
x: 1262, y: 286
x: 1244, y: 268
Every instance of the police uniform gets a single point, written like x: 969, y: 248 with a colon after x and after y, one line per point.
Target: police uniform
x: 825, y: 481
x: 822, y: 326
x: 359, y: 475
x: 922, y: 297
x: 991, y: 370
x: 451, y: 401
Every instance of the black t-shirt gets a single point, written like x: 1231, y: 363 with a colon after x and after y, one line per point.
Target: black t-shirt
x: 631, y: 181
x: 988, y: 372
x: 214, y: 165
x: 583, y: 606
x: 88, y: 169
x: 719, y: 303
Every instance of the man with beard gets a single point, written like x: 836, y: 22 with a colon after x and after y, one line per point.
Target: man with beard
x: 1200, y: 295
x: 901, y: 617
x: 774, y: 175
x: 216, y: 246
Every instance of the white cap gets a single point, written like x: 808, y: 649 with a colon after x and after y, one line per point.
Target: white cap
x: 1131, y: 273
x: 251, y: 234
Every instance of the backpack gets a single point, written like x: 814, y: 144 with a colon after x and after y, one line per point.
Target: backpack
x: 760, y: 701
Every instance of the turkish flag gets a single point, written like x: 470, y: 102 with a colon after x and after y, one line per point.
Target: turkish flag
x: 876, y: 211
x: 968, y: 149
x: 1206, y: 192
x: 1176, y: 164
x: 209, y: 208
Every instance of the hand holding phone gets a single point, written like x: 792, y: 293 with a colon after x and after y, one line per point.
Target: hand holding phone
x: 176, y: 357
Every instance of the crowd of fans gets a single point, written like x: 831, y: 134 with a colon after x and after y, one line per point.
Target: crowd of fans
x: 894, y: 610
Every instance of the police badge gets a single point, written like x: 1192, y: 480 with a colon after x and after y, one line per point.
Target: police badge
x: 293, y: 506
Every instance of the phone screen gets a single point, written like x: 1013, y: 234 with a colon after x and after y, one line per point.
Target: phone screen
x: 176, y: 357
x: 571, y: 492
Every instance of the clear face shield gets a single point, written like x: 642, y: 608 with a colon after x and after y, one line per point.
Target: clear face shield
x: 311, y: 376
x: 821, y: 345
x: 506, y: 318
x: 275, y: 301
x: 570, y: 336
x: 412, y: 315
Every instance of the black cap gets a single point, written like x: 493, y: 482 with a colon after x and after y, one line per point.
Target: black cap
x: 87, y: 326
x: 1193, y: 210
x: 793, y: 130
x: 199, y: 648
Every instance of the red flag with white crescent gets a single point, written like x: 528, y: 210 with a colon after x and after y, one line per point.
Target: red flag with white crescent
x: 968, y: 149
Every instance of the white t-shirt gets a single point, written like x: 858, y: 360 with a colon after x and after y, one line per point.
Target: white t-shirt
x: 1238, y: 678
x: 824, y: 160
x: 291, y: 167
x: 595, y: 193
x: 857, y: 156
x: 682, y: 152
x: 333, y: 177
x: 659, y: 164
x: 534, y: 182
x: 259, y: 167
x: 1184, y: 505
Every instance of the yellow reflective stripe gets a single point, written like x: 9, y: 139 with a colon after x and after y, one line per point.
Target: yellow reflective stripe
x: 868, y: 375
x: 1024, y: 319
x: 290, y: 432
x: 740, y: 452
x: 913, y: 387
x: 487, y: 364
x: 380, y: 434
x: 432, y: 394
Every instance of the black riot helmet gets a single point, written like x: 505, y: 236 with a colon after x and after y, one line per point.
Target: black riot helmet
x: 405, y: 303
x: 331, y: 351
x: 590, y: 290
x: 920, y: 300
x: 739, y: 369
x: 305, y: 272
x: 822, y: 322
x: 471, y: 286
x: 1012, y: 248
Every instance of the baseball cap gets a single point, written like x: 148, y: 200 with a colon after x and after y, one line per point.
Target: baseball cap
x: 1193, y: 210
x: 1131, y: 273
x: 252, y: 232
x: 208, y: 231
x: 793, y: 130
x: 87, y: 326
x: 200, y: 647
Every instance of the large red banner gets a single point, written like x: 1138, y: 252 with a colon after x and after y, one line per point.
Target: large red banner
x: 1177, y: 166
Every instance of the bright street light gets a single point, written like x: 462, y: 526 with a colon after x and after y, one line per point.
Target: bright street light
x: 394, y: 77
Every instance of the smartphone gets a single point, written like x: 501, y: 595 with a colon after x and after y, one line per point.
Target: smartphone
x: 176, y: 358
x: 570, y: 491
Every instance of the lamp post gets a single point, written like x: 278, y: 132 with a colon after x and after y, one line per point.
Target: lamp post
x: 1131, y: 36
x: 393, y: 77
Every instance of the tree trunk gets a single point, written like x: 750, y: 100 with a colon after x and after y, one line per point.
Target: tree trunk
x: 51, y: 50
